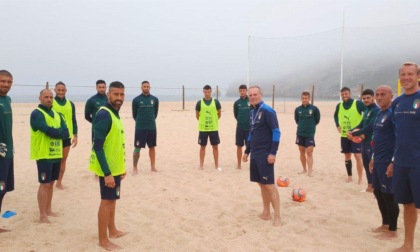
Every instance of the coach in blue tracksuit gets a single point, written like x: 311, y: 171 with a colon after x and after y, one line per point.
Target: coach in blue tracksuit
x: 263, y: 142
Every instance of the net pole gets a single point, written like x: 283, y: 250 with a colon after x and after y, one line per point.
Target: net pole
x: 312, y: 95
x: 248, y: 62
x: 342, y: 54
x: 183, y: 97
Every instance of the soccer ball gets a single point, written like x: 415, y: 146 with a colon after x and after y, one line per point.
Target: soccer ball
x: 282, y: 181
x: 298, y: 194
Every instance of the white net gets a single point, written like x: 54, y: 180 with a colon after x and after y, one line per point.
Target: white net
x: 371, y: 56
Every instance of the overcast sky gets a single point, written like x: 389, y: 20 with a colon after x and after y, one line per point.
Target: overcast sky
x: 169, y: 43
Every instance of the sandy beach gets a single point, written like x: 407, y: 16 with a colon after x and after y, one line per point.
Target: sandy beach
x: 182, y: 208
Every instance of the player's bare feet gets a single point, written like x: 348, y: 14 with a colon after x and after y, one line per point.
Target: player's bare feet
x: 201, y: 168
x: 277, y: 222
x: 359, y: 181
x: 2, y: 230
x: 381, y: 229
x: 265, y: 216
x: 389, y: 235
x: 302, y: 172
x: 310, y: 174
x: 135, y: 172
x: 60, y: 186
x: 349, y: 179
x: 154, y: 170
x: 44, y: 219
x: 117, y: 234
x: 109, y: 246
x: 52, y: 214
x: 403, y: 248
x: 238, y: 167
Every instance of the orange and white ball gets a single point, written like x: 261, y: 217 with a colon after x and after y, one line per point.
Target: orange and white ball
x: 282, y: 181
x: 298, y: 194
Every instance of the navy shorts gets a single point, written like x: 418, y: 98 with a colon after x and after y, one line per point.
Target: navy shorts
x: 203, y: 136
x: 379, y: 179
x: 305, y: 141
x: 241, y: 136
x: 261, y: 171
x: 7, y: 177
x: 47, y: 171
x: 145, y: 136
x: 66, y: 142
x: 348, y: 146
x: 108, y: 193
x: 406, y: 185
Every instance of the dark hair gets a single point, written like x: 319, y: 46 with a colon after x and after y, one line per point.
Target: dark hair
x: 207, y: 87
x: 6, y: 73
x: 100, y: 82
x: 242, y: 86
x: 145, y: 82
x: 60, y: 83
x: 116, y: 84
x: 368, y: 92
x: 305, y: 93
x: 345, y: 89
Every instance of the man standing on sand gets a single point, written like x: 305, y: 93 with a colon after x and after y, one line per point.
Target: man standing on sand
x: 307, y: 117
x: 95, y: 102
x: 7, y: 179
x: 107, y: 161
x: 364, y: 132
x: 241, y: 109
x: 68, y: 110
x: 263, y: 142
x: 48, y: 129
x: 406, y: 173
x: 208, y: 112
x: 381, y: 166
x: 145, y: 109
x: 347, y: 115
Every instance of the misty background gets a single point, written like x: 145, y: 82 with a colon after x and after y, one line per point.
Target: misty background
x: 290, y: 44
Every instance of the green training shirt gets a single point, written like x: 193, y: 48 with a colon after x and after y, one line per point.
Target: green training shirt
x: 241, y: 109
x: 6, y: 123
x: 306, y: 118
x: 145, y: 110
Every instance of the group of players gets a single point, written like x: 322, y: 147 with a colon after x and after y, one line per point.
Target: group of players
x: 383, y: 139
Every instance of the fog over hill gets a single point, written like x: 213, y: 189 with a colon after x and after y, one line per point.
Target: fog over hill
x: 371, y: 56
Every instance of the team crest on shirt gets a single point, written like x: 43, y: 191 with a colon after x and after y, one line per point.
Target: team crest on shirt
x: 416, y: 104
x: 2, y: 185
x: 151, y: 102
x: 248, y: 104
x: 310, y: 111
x: 383, y: 119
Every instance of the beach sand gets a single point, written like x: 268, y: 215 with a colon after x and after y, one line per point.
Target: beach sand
x: 181, y: 208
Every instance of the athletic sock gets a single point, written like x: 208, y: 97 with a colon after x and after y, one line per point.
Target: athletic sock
x: 1, y: 199
x: 382, y: 206
x: 393, y: 210
x: 348, y: 167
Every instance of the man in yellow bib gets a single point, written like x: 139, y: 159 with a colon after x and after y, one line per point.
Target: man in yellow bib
x: 48, y: 128
x: 208, y: 112
x: 107, y: 161
x: 348, y: 114
x: 68, y: 110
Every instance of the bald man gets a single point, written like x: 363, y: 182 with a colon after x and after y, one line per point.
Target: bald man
x: 381, y: 166
x: 48, y: 129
